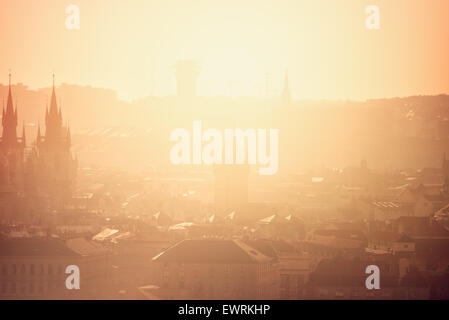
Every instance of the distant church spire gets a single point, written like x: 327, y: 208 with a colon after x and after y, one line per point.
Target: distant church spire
x: 54, y: 159
x: 53, y: 103
x: 53, y: 120
x: 9, y: 120
x: 286, y: 95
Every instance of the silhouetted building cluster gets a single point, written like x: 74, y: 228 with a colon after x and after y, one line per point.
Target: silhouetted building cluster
x: 36, y: 179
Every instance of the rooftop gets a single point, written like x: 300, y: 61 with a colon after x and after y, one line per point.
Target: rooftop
x: 47, y: 247
x: 211, y: 251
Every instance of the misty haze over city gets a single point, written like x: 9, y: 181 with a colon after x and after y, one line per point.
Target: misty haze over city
x: 145, y: 156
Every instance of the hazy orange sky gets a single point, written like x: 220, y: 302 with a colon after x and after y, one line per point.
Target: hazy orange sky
x: 132, y: 45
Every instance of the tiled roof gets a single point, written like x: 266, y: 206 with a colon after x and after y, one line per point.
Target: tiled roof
x: 343, y: 234
x: 211, y: 251
x: 263, y: 246
x: 389, y: 236
x: 85, y: 248
x: 344, y: 272
x: 38, y: 247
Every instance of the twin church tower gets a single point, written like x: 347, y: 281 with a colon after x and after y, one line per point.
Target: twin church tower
x: 44, y: 170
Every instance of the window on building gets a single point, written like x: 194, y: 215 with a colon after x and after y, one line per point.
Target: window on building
x: 339, y: 294
x: 285, y: 281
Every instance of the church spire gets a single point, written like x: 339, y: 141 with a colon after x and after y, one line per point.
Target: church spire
x: 53, y: 120
x: 9, y: 104
x: 53, y: 103
x: 9, y: 120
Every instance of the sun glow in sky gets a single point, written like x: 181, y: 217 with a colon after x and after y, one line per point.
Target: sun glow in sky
x: 131, y: 46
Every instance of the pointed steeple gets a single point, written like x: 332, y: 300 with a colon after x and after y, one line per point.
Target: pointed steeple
x: 9, y: 120
x: 9, y: 104
x: 53, y: 103
x: 53, y: 120
x: 286, y: 95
